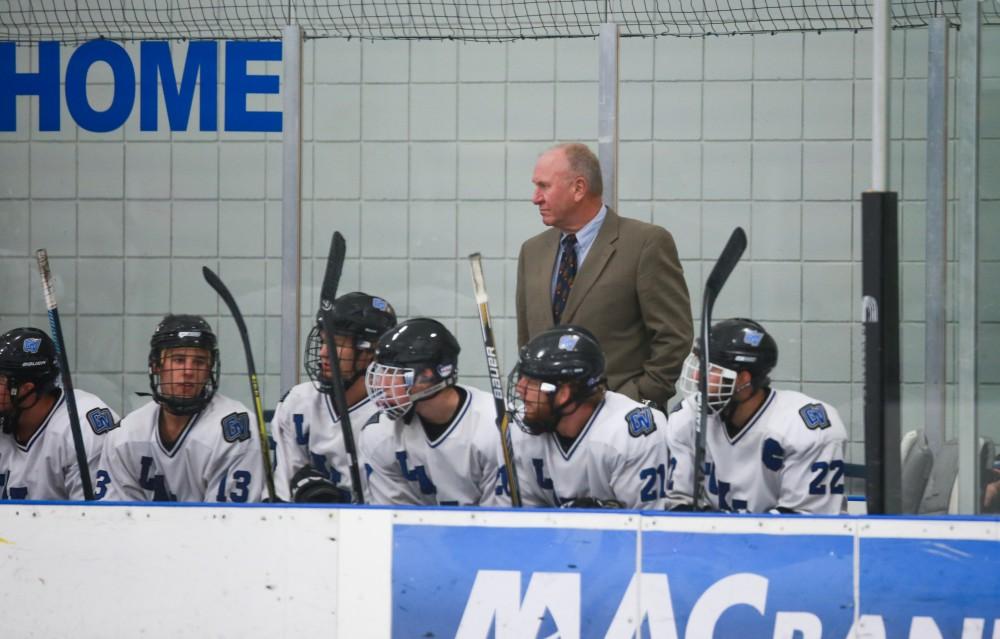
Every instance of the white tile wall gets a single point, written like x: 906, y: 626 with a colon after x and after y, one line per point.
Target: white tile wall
x: 421, y: 153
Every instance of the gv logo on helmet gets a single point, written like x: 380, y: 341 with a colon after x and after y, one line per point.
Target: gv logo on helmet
x: 32, y: 344
x: 753, y: 338
x: 568, y: 342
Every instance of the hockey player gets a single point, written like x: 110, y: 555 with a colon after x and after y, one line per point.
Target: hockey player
x: 37, y: 456
x: 581, y: 445
x: 190, y: 443
x: 766, y: 450
x: 312, y: 462
x: 434, y: 441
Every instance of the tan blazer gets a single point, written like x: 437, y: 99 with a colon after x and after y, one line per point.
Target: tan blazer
x: 630, y: 292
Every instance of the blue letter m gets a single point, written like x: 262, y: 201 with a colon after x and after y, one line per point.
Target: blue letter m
x: 157, y: 65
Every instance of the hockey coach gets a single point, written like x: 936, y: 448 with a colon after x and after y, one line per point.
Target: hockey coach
x: 618, y: 277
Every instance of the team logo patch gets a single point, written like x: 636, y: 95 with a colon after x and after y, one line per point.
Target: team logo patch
x: 640, y: 421
x: 815, y: 417
x: 568, y: 342
x: 236, y: 427
x: 31, y: 344
x: 445, y: 370
x: 753, y: 337
x: 101, y: 420
x: 380, y: 303
x: 772, y: 455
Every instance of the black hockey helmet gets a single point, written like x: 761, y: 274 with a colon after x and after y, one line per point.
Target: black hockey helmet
x: 26, y: 355
x: 564, y: 354
x: 359, y: 315
x: 183, y: 331
x: 420, y: 343
x: 403, y: 356
x: 735, y: 345
x: 742, y: 345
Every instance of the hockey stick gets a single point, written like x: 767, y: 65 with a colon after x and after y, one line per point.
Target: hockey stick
x: 493, y: 364
x: 67, y: 381
x: 327, y: 294
x: 227, y: 297
x: 724, y: 266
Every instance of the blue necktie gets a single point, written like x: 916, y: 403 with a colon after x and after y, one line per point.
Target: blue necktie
x: 565, y: 277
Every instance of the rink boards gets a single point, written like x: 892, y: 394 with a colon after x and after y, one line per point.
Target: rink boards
x: 277, y: 571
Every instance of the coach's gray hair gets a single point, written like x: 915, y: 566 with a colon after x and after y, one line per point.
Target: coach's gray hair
x: 584, y: 163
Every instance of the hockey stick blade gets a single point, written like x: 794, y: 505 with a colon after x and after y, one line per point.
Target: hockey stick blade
x: 328, y: 293
x: 493, y: 366
x: 230, y: 302
x: 727, y: 261
x: 334, y: 269
x: 67, y: 381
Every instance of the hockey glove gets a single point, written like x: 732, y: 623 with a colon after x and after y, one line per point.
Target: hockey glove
x: 592, y: 502
x: 309, y: 486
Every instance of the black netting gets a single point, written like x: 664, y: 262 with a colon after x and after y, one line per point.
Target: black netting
x: 483, y: 20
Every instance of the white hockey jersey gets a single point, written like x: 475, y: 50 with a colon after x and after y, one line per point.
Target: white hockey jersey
x: 307, y: 431
x: 46, y: 467
x: 459, y: 468
x: 620, y: 454
x: 789, y: 455
x: 216, y: 458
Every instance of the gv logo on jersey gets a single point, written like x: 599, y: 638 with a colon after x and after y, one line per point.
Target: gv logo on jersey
x: 101, y: 420
x: 32, y: 344
x: 236, y: 427
x: 640, y: 422
x: 815, y: 417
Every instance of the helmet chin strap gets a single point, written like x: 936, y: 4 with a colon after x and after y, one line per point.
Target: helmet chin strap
x: 729, y: 409
x: 558, y: 412
x: 10, y: 418
x: 349, y: 381
x: 428, y: 393
x: 358, y: 374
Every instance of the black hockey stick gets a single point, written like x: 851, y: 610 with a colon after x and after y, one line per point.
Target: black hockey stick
x: 327, y: 294
x: 724, y: 266
x: 227, y: 297
x: 493, y: 365
x: 67, y: 381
